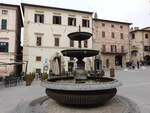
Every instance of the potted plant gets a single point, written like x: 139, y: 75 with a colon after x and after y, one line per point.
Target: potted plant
x: 44, y: 76
x: 29, y: 78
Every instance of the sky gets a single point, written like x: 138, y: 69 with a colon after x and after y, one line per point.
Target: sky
x: 133, y: 11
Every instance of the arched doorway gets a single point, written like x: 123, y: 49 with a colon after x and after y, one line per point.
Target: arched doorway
x: 118, y: 60
x: 147, y: 60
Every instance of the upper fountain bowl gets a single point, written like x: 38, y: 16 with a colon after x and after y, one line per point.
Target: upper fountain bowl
x: 79, y: 36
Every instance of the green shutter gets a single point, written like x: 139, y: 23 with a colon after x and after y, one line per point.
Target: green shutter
x: 4, y: 24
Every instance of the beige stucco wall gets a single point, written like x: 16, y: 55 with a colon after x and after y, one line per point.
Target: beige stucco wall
x: 9, y: 36
x: 48, y: 30
x: 138, y: 44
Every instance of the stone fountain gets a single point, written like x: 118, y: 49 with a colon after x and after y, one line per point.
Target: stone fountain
x: 81, y: 89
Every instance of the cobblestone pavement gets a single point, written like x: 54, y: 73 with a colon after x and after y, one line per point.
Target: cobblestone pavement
x: 136, y: 86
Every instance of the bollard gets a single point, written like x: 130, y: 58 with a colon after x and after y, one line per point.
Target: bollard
x: 112, y: 72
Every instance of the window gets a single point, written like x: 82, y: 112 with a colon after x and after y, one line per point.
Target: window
x: 121, y: 35
x: 5, y: 12
x: 107, y: 63
x: 103, y: 48
x: 4, y: 24
x: 56, y: 41
x: 112, y: 34
x: 71, y: 43
x: 133, y: 36
x: 72, y: 21
x: 103, y: 34
x: 85, y: 43
x: 112, y: 25
x: 121, y: 27
x: 3, y: 46
x: 39, y: 18
x: 122, y: 49
x: 146, y: 36
x: 146, y: 48
x: 39, y: 41
x: 85, y: 23
x: 38, y: 70
x: 113, y: 48
x: 56, y: 19
x: 103, y: 24
x: 38, y: 58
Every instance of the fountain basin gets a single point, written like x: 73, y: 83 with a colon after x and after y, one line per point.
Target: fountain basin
x: 70, y: 93
x: 80, y: 53
x: 78, y: 36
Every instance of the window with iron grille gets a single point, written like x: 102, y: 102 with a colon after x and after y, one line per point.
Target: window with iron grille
x: 71, y: 21
x: 39, y: 18
x: 4, y: 24
x: 39, y: 41
x: 56, y: 19
x: 85, y: 23
x: 4, y: 46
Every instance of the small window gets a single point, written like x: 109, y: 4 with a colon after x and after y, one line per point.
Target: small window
x: 3, y: 46
x: 103, y: 34
x: 39, y: 18
x: 85, y: 23
x: 71, y: 43
x: 72, y: 21
x: 112, y: 34
x: 121, y: 27
x: 56, y: 41
x: 112, y: 25
x: 39, y: 41
x: 4, y: 24
x: 121, y: 35
x: 5, y: 12
x: 103, y: 24
x: 38, y: 70
x: 85, y: 43
x: 38, y: 58
x: 146, y: 36
x: 133, y: 36
x: 56, y: 19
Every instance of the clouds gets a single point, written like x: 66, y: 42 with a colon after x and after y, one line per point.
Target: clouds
x: 135, y: 11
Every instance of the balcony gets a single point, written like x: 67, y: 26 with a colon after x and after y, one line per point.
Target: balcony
x: 114, y: 52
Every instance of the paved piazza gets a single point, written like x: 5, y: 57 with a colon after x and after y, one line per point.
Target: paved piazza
x: 136, y: 87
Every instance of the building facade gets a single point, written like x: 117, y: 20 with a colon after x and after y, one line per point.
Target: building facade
x: 111, y: 38
x: 45, y: 35
x: 140, y: 45
x: 10, y: 30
